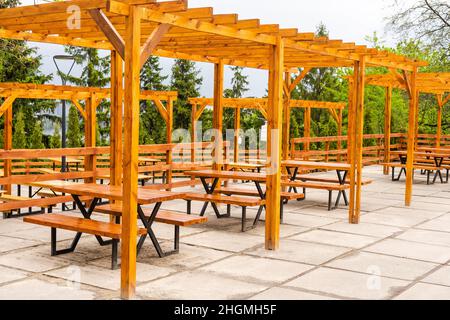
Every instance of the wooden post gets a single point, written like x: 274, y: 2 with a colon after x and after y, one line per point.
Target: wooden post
x: 351, y: 118
x: 416, y: 139
x: 130, y: 155
x: 193, y: 134
x: 274, y: 145
x: 218, y: 115
x: 307, y: 129
x: 339, y: 142
x: 237, y: 130
x: 387, y: 128
x: 169, y: 129
x: 357, y: 141
x: 411, y: 138
x: 287, y: 116
x: 90, y: 134
x: 439, y: 120
x: 116, y: 119
x: 7, y: 135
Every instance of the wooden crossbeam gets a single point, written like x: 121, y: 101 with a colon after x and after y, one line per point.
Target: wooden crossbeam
x: 7, y: 104
x: 408, y: 83
x: 109, y: 30
x: 80, y: 108
x: 162, y: 110
x: 299, y: 78
x: 152, y: 42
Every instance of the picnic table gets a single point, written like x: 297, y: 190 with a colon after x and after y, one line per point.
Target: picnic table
x: 69, y: 160
x: 438, y: 156
x: 294, y: 166
x: 98, y: 192
x: 210, y: 187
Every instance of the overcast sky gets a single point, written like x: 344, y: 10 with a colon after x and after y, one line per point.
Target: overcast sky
x: 349, y: 20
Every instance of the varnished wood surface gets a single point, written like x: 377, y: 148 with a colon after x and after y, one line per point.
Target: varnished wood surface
x: 235, y: 175
x: 316, y: 165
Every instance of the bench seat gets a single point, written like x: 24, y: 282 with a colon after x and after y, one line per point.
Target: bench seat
x: 329, y: 180
x: 163, y: 216
x: 239, y: 201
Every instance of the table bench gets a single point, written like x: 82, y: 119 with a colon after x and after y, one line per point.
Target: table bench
x: 163, y: 216
x: 214, y: 199
x: 81, y: 225
x: 330, y: 187
x: 428, y: 168
x: 364, y: 182
x: 285, y: 196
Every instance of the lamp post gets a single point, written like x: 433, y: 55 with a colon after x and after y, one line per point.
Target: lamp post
x: 63, y: 116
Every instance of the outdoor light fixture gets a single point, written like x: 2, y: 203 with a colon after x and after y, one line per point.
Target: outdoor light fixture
x: 63, y: 115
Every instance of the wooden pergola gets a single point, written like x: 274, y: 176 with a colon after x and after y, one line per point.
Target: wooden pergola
x: 261, y: 104
x: 92, y: 97
x: 135, y: 29
x: 431, y: 83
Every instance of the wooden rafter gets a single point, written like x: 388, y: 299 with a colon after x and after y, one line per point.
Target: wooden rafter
x: 152, y: 41
x: 80, y: 108
x: 299, y: 78
x: 109, y: 30
x: 7, y: 104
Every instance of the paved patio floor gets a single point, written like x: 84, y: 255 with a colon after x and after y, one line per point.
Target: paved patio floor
x: 395, y: 253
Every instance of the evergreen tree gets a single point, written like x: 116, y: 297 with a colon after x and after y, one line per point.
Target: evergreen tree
x: 73, y: 129
x: 55, y: 139
x: 95, y: 73
x: 19, y: 134
x: 152, y: 127
x: 239, y: 86
x: 36, y: 137
x: 186, y: 80
x: 20, y: 63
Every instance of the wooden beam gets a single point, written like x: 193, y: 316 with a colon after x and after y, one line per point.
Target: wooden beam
x: 79, y: 108
x: 169, y: 131
x: 407, y: 83
x: 109, y: 30
x: 90, y: 136
x: 218, y: 115
x: 387, y: 128
x: 299, y: 78
x: 274, y: 146
x: 7, y: 104
x: 152, y: 42
x: 116, y: 119
x: 439, y: 120
x: 237, y: 131
x: 307, y: 128
x: 357, y: 144
x: 162, y: 110
x: 131, y: 152
x: 7, y: 145
x: 411, y: 139
x: 286, y: 115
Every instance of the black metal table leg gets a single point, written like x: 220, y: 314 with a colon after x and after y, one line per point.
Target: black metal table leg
x: 209, y: 189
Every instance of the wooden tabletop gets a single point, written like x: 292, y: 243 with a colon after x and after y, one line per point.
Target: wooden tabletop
x: 235, y: 175
x: 423, y: 154
x: 436, y: 150
x: 68, y: 159
x: 316, y: 165
x: 246, y: 165
x: 110, y: 192
x: 147, y: 159
x: 106, y: 174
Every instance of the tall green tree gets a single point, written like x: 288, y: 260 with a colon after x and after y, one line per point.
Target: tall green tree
x: 73, y: 129
x: 19, y: 135
x: 239, y: 86
x: 55, y: 139
x: 36, y: 137
x: 20, y: 63
x: 186, y: 80
x: 320, y: 84
x: 152, y: 129
x: 95, y: 73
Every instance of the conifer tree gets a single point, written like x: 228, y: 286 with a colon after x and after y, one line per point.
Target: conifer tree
x: 95, y: 73
x: 186, y: 80
x: 152, y: 127
x: 73, y: 129
x: 36, y: 137
x: 20, y: 63
x: 19, y: 134
x: 55, y: 139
